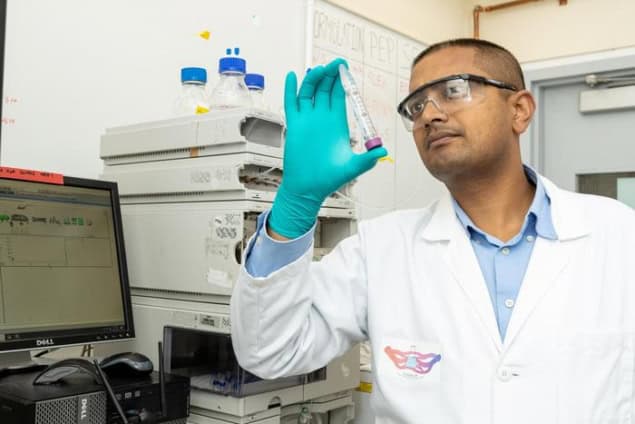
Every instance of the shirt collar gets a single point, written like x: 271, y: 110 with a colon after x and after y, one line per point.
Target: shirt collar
x: 540, y: 210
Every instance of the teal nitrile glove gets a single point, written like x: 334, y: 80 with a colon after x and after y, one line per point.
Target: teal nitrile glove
x: 318, y: 158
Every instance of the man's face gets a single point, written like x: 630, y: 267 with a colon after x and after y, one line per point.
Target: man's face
x: 469, y: 141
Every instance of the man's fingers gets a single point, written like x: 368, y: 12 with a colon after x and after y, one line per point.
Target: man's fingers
x: 309, y: 86
x: 325, y: 87
x: 290, y: 94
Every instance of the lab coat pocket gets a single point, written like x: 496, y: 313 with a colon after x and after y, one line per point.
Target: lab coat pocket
x: 596, y: 378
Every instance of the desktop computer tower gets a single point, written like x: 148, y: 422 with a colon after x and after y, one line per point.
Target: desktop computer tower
x: 79, y: 400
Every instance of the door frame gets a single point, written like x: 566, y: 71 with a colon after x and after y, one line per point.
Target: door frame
x: 551, y: 72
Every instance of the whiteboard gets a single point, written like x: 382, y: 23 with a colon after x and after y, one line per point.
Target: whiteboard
x: 76, y: 67
x: 380, y: 60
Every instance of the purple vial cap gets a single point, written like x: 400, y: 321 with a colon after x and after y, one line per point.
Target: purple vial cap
x: 373, y: 143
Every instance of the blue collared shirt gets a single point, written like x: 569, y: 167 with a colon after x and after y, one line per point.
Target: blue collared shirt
x: 504, y: 264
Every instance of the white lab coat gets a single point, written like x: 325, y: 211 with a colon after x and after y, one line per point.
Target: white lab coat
x: 410, y: 282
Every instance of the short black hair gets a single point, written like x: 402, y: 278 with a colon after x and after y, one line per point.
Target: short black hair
x: 492, y: 58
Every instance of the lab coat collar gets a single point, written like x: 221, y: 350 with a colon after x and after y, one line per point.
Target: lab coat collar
x: 548, y: 259
x: 568, y: 220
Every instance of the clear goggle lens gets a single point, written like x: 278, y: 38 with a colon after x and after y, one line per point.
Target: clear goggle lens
x: 447, y: 96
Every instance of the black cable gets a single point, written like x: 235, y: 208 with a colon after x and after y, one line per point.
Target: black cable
x: 45, y: 352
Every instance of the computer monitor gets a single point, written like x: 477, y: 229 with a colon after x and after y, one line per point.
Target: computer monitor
x: 63, y: 274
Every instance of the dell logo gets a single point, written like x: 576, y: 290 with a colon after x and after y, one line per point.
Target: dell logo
x: 83, y: 409
x: 44, y: 342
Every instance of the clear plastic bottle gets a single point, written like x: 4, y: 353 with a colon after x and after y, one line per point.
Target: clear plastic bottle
x: 230, y: 91
x: 192, y: 100
x: 256, y: 85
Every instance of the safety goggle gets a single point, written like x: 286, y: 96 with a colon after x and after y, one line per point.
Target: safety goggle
x: 449, y: 94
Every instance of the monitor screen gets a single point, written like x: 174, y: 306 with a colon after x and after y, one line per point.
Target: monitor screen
x: 63, y: 276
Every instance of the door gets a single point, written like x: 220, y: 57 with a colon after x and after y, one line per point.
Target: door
x: 590, y: 146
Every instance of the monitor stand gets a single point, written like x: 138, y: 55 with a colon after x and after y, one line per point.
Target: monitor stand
x: 17, y: 362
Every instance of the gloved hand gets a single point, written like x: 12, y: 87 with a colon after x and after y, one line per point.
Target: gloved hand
x: 318, y: 158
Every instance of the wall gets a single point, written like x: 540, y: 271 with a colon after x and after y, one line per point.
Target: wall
x: 427, y: 21
x: 534, y: 31
x: 543, y: 30
x: 74, y: 67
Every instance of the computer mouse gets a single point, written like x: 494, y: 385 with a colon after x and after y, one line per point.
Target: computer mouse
x: 126, y: 364
x: 64, y: 368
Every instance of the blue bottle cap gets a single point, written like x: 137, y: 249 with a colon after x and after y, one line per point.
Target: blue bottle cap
x: 194, y: 74
x: 255, y: 81
x: 232, y: 64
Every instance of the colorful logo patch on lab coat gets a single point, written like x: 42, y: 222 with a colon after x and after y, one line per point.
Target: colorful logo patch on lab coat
x: 412, y: 362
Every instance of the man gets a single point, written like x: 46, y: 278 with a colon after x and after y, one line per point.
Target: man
x: 508, y: 300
